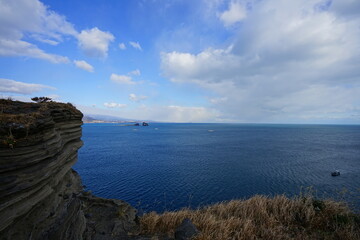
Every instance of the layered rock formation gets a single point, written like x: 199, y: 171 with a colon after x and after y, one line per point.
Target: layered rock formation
x: 41, y: 197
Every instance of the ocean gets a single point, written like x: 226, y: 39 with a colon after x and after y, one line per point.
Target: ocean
x: 169, y: 166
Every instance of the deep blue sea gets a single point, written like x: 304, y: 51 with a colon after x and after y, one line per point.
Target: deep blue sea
x: 169, y: 166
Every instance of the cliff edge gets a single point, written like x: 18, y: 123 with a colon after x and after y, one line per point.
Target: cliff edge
x: 41, y: 197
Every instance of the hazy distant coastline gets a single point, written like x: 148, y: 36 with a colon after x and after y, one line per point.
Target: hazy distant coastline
x: 110, y: 119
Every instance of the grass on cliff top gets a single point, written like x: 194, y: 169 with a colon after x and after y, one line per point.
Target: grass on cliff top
x: 262, y: 217
x: 18, y: 112
x: 17, y: 115
x: 27, y: 112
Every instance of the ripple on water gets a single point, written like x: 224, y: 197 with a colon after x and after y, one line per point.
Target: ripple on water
x: 178, y: 165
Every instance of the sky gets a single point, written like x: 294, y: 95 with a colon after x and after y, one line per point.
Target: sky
x: 232, y: 61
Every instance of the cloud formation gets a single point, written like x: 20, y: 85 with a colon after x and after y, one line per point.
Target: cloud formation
x: 171, y: 113
x: 12, y: 86
x: 175, y: 113
x: 94, y: 42
x: 276, y: 70
x: 135, y: 98
x: 84, y: 65
x: 18, y: 17
x: 122, y: 46
x: 122, y: 79
x: 136, y: 72
x: 35, y: 22
x: 136, y: 45
x: 234, y: 14
x: 114, y: 105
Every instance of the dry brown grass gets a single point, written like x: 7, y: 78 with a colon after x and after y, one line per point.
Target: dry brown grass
x: 24, y: 112
x: 17, y: 118
x: 262, y: 217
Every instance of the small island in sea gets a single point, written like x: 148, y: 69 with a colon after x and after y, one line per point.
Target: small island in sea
x: 179, y: 119
x: 44, y: 197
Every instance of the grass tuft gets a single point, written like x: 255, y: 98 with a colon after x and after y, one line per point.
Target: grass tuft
x: 17, y: 118
x: 261, y: 217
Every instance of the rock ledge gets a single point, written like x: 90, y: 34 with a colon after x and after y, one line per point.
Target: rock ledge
x: 41, y: 196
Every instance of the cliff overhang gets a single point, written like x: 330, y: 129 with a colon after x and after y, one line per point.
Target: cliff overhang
x: 41, y: 196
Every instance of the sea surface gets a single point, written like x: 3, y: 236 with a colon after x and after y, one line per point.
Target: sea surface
x: 170, y: 166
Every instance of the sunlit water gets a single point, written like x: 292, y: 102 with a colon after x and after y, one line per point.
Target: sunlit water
x: 170, y: 166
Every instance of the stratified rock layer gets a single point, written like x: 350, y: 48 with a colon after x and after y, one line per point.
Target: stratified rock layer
x: 41, y: 197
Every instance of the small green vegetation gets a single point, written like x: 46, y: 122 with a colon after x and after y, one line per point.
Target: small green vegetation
x: 10, y: 141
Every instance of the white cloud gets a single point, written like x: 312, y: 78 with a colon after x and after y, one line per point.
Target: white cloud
x: 114, y: 105
x: 133, y: 97
x: 14, y: 47
x: 84, y: 65
x: 219, y: 100
x: 346, y: 8
x: 135, y: 72
x: 289, y: 61
x: 18, y: 17
x: 188, y: 114
x: 121, y: 79
x: 135, y: 45
x: 172, y: 113
x: 234, y: 14
x: 175, y: 113
x: 122, y: 46
x: 43, y: 39
x: 12, y: 86
x: 35, y: 21
x: 94, y: 42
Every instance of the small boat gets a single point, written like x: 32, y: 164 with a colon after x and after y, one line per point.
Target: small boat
x: 335, y: 173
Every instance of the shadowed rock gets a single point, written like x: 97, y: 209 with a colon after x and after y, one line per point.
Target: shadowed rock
x: 186, y: 230
x: 41, y: 197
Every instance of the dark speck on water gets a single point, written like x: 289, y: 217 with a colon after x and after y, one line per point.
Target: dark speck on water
x: 171, y: 166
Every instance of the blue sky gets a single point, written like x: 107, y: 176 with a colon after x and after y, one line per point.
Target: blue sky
x: 259, y: 61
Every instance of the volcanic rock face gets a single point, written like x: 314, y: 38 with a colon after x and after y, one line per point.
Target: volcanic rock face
x: 41, y: 197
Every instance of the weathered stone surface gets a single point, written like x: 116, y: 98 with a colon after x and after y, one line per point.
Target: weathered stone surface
x: 186, y: 230
x: 41, y: 197
x: 108, y: 218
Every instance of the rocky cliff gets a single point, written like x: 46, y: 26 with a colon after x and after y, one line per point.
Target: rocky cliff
x: 41, y: 197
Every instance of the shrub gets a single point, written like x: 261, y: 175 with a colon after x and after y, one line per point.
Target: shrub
x: 41, y: 99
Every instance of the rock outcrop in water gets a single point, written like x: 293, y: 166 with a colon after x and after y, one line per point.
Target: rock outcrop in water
x: 41, y: 197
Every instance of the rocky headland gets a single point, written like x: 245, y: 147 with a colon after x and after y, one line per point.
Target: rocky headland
x: 42, y: 197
